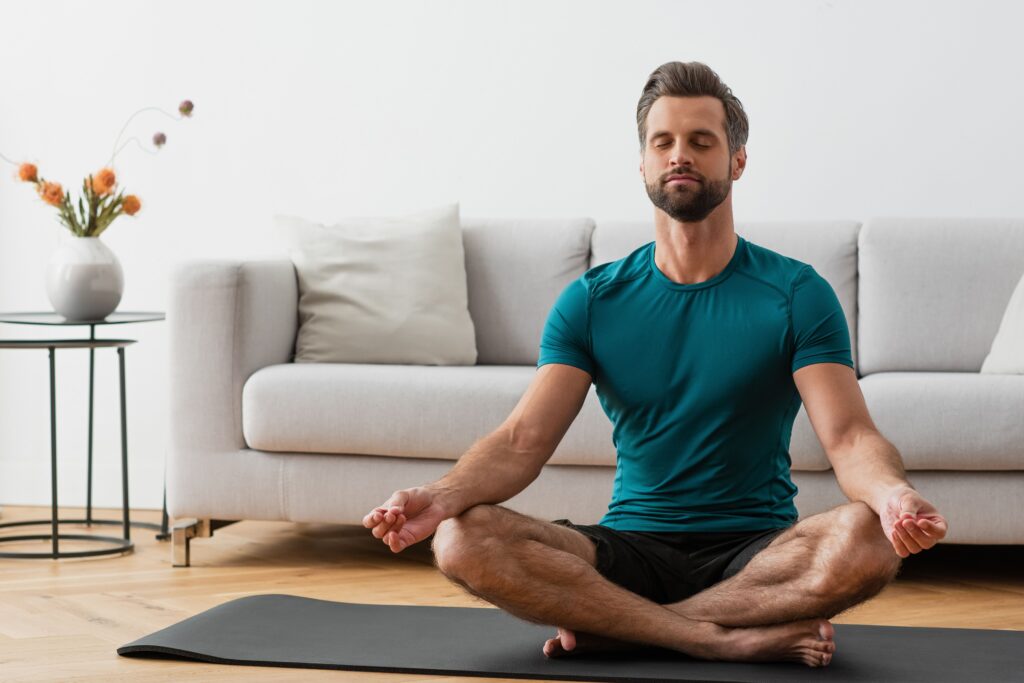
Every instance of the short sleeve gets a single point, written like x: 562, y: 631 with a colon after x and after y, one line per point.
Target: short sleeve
x: 566, y: 332
x: 820, y: 332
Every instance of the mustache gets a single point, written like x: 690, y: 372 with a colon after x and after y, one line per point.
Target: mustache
x: 664, y: 178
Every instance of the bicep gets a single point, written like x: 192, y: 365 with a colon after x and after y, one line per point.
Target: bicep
x: 820, y: 332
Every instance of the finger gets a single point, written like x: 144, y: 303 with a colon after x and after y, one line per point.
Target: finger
x: 933, y: 530
x: 919, y: 536
x: 393, y: 542
x: 399, y: 523
x: 405, y: 539
x: 372, y: 518
x: 909, y: 504
x: 937, y: 527
x: 909, y: 542
x: 897, y: 544
x: 927, y: 528
x: 381, y: 529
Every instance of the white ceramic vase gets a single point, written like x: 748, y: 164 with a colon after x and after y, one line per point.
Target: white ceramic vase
x: 84, y: 279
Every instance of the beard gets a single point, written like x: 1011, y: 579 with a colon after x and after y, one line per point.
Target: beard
x: 686, y: 203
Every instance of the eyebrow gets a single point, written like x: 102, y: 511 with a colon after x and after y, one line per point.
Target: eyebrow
x: 699, y: 131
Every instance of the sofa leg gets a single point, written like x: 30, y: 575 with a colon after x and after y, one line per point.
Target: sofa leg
x: 185, y: 530
x: 181, y: 533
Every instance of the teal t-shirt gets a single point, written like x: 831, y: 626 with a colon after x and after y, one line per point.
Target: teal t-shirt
x: 698, y: 382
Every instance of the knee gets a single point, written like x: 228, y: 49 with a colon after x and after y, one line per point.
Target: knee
x: 856, y: 559
x: 463, y: 544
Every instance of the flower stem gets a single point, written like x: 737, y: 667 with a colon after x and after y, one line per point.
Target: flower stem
x: 137, y: 142
x: 171, y: 116
x: 8, y: 160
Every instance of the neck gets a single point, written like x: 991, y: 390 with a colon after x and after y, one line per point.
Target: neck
x: 690, y: 253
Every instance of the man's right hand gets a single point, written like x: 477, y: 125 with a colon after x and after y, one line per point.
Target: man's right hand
x: 407, y: 517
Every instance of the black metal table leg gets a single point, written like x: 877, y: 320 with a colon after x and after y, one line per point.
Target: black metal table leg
x: 124, y: 447
x: 53, y: 455
x: 88, y: 478
x: 116, y: 545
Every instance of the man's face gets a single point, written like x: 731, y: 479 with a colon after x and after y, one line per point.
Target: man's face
x: 686, y: 135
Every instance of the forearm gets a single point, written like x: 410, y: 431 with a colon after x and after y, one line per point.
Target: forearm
x: 491, y: 471
x: 870, y: 470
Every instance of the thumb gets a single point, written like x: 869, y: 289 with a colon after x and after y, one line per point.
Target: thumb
x: 398, y: 499
x: 910, y: 503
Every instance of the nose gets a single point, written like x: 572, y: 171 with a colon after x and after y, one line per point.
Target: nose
x: 680, y: 156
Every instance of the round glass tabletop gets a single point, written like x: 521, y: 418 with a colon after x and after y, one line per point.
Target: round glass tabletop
x: 52, y: 318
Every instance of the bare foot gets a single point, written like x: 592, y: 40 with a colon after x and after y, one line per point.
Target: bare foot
x: 810, y: 641
x: 567, y: 643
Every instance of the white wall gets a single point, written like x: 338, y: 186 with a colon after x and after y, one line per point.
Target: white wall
x: 526, y: 109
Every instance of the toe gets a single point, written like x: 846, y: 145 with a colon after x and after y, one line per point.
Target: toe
x: 823, y: 646
x: 810, y: 658
x: 568, y: 639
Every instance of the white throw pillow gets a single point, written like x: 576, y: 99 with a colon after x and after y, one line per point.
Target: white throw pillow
x: 382, y: 290
x: 1007, y: 353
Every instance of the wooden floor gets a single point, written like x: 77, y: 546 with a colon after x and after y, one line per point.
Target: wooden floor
x: 63, y: 620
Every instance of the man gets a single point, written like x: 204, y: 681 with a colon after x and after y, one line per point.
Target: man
x: 702, y: 346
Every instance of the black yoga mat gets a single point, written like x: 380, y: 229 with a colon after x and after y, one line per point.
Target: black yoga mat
x: 287, y: 630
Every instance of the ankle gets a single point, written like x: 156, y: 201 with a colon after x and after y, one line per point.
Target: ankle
x: 706, y: 639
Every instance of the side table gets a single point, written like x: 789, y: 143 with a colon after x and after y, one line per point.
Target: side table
x: 119, y: 545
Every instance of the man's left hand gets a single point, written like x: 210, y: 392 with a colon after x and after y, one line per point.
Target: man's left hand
x: 911, y: 523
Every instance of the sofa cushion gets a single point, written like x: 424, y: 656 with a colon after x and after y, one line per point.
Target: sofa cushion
x: 829, y: 246
x: 950, y: 420
x: 516, y: 269
x: 401, y: 410
x: 423, y: 412
x: 382, y: 289
x: 933, y: 291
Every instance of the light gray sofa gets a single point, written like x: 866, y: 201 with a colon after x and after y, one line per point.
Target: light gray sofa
x: 257, y: 436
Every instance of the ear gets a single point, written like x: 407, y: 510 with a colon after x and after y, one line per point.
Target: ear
x: 740, y: 162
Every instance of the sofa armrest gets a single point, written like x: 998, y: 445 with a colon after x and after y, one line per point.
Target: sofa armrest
x: 227, y: 319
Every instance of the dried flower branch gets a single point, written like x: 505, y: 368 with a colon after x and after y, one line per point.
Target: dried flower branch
x: 102, y: 202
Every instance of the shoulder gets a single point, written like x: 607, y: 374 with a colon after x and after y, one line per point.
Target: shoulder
x: 774, y: 269
x: 634, y: 265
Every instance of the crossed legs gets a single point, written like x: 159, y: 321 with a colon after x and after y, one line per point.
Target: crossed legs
x: 822, y: 566
x: 775, y: 608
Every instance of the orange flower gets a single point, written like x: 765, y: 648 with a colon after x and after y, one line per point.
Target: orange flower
x: 131, y: 205
x: 52, y: 193
x: 28, y: 173
x: 103, y: 182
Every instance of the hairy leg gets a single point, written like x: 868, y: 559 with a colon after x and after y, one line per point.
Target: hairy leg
x: 544, y: 573
x: 822, y: 566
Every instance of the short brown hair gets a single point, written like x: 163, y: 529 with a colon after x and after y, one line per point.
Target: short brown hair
x: 692, y: 79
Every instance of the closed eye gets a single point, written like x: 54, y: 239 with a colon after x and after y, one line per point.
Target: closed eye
x: 696, y: 144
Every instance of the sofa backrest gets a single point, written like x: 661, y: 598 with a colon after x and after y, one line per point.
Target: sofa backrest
x: 933, y: 291
x: 515, y: 269
x: 829, y: 246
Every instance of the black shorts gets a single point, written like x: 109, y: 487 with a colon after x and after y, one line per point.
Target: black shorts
x: 668, y: 567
